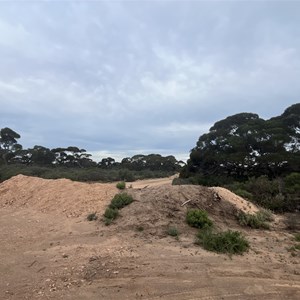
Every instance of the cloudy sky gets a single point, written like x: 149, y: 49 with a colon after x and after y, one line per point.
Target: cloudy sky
x: 125, y: 77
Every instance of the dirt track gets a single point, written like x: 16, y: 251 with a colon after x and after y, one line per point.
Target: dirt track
x: 47, y: 253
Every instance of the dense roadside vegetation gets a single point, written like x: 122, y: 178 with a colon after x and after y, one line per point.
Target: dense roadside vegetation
x: 76, y: 164
x: 257, y: 159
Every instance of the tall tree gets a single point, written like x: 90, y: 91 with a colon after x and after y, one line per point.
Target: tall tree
x: 244, y: 145
x: 8, y: 144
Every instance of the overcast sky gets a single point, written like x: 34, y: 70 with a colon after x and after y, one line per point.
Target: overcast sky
x: 125, y: 77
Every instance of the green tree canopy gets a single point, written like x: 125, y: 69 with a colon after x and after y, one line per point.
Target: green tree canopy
x: 244, y: 145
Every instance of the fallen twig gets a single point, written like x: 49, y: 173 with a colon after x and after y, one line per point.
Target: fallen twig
x: 32, y: 264
x: 184, y: 203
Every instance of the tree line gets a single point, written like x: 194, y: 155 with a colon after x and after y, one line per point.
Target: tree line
x: 12, y: 153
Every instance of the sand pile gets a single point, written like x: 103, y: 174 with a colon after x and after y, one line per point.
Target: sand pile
x: 70, y: 198
x: 239, y: 202
x: 156, y: 203
x: 159, y: 207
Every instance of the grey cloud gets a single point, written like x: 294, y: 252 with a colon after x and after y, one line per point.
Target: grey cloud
x: 120, y: 76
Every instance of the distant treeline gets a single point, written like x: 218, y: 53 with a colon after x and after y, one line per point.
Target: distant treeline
x: 76, y: 164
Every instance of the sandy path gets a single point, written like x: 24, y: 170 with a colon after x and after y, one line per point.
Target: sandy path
x: 140, y: 184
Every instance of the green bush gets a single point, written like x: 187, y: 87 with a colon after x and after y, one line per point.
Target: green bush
x: 198, y: 218
x: 294, y: 248
x: 140, y: 228
x: 297, y: 237
x: 292, y: 222
x: 292, y: 183
x: 231, y: 242
x: 120, y: 201
x: 266, y: 215
x: 243, y: 193
x: 121, y: 185
x: 92, y: 217
x: 172, y: 231
x: 257, y: 220
x: 111, y: 213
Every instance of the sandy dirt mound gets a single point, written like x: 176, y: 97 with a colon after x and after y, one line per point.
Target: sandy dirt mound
x: 57, y: 196
x: 239, y: 202
x: 75, y: 199
x: 158, y: 207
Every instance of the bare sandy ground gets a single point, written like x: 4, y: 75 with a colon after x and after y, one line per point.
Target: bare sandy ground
x: 49, y: 250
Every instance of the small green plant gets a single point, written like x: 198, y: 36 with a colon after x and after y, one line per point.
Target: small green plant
x: 92, y: 217
x: 198, y: 218
x: 297, y: 237
x: 121, y: 185
x: 243, y: 193
x: 107, y: 221
x: 256, y: 221
x: 120, y: 201
x: 294, y: 250
x: 231, y: 242
x: 140, y: 228
x: 292, y: 222
x: 266, y: 215
x: 110, y: 214
x: 173, y: 231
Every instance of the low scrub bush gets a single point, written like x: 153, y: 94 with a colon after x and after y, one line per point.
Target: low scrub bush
x: 266, y: 215
x: 243, y: 193
x: 258, y: 220
x: 121, y: 185
x: 292, y: 222
x: 140, y: 228
x: 297, y: 237
x: 173, y: 231
x: 295, y: 250
x: 182, y: 181
x: 92, y: 217
x: 231, y: 242
x: 198, y: 218
x: 120, y: 200
x: 111, y: 213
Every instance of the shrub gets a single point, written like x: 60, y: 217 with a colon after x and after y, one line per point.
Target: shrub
x: 140, y: 228
x: 292, y: 183
x: 243, y: 193
x: 198, y: 218
x: 92, y: 217
x: 257, y: 220
x: 231, y: 242
x: 294, y: 248
x: 292, y: 222
x: 266, y: 215
x: 120, y: 201
x: 297, y: 237
x: 172, y: 231
x: 182, y: 181
x: 121, y: 185
x: 111, y: 213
